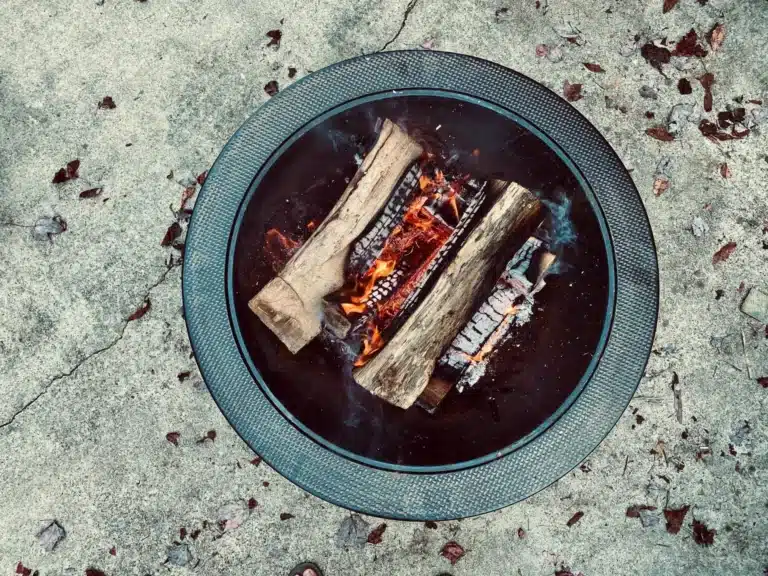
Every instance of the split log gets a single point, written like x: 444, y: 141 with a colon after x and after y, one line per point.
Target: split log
x: 291, y: 305
x: 509, y: 305
x: 401, y: 370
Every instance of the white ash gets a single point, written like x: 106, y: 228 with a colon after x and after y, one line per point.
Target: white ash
x: 47, y: 227
x: 648, y: 518
x: 663, y: 167
x: 699, y: 227
x: 50, y: 536
x: 187, y: 180
x: 232, y: 516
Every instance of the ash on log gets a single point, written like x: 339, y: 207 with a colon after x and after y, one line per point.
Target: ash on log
x: 400, y: 372
x: 509, y: 305
x: 291, y: 304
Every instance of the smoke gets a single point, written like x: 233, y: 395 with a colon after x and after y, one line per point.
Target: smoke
x: 559, y: 231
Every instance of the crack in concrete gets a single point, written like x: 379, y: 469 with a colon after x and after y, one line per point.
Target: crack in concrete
x: 75, y: 368
x: 406, y: 14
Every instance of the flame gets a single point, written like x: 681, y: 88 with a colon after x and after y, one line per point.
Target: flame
x: 311, y: 225
x: 490, y: 344
x: 372, y: 343
x: 278, y: 248
x: 379, y: 269
x: 274, y: 235
x: 352, y: 308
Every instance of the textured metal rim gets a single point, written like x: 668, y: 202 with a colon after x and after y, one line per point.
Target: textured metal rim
x: 351, y: 484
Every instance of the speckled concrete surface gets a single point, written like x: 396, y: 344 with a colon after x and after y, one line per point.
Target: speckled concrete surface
x: 87, y: 397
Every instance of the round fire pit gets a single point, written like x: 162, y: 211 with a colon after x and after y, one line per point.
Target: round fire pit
x: 548, y: 399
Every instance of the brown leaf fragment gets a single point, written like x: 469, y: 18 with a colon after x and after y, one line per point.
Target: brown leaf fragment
x: 173, y: 437
x: 675, y: 517
x: 274, y: 38
x: 724, y: 253
x: 575, y: 518
x: 542, y: 50
x: 453, y: 551
x: 271, y: 88
x: 689, y: 45
x: 707, y: 80
x: 668, y: 5
x: 716, y: 37
x: 113, y: 551
x: 521, y: 534
x: 430, y: 524
x: 660, y: 185
x: 375, y: 536
x: 201, y: 177
x: 107, y: 103
x: 141, y: 310
x: 173, y: 232
x: 702, y: 535
x: 69, y: 172
x: 256, y: 461
x: 764, y: 380
x: 286, y: 516
x: 572, y: 92
x: 725, y: 172
x: 660, y: 133
x: 291, y: 72
x: 183, y: 375
x: 634, y: 511
x: 91, y: 192
x: 593, y: 67
x: 655, y: 55
x: 94, y: 572
x: 684, y: 86
x: 252, y: 503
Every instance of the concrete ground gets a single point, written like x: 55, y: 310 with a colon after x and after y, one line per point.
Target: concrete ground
x: 87, y: 397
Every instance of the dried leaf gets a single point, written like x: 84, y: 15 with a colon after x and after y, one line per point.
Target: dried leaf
x: 183, y: 376
x: 453, y: 551
x: 182, y: 533
x: 286, y: 516
x: 256, y: 461
x: 593, y: 67
x: 668, y: 5
x: 764, y: 380
x: 23, y: 570
x: 141, y: 310
x: 689, y: 45
x: 660, y: 133
x: 201, y: 177
x: 725, y: 172
x: 542, y: 50
x: 186, y: 195
x: 173, y: 437
x: 724, y: 253
x: 675, y: 517
x: 572, y: 92
x: 707, y: 80
x: 684, y: 86
x: 291, y: 72
x: 113, y: 551
x: 173, y: 232
x: 94, y: 572
x: 716, y: 37
x: 433, y: 525
x: 91, y: 192
x: 252, y: 503
x: 271, y: 88
x: 575, y: 518
x: 107, y: 103
x: 375, y: 536
x: 70, y: 172
x: 655, y: 55
x: 702, y: 535
x: 660, y: 185
x: 521, y: 533
x: 274, y: 38
x: 634, y: 511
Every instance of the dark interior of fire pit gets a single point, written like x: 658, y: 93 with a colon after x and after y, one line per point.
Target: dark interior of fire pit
x: 528, y: 381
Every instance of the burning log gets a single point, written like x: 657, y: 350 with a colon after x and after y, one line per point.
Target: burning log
x: 400, y: 372
x: 291, y: 304
x: 509, y: 305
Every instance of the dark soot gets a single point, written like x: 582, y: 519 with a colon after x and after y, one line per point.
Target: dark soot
x: 529, y: 379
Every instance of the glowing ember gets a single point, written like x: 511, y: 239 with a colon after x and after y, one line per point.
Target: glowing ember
x: 490, y: 344
x: 278, y: 248
x: 379, y: 269
x: 352, y: 308
x: 371, y: 344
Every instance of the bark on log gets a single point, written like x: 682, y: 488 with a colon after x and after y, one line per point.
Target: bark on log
x: 401, y: 370
x: 291, y: 305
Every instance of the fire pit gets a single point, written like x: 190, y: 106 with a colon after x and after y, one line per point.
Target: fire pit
x: 420, y: 285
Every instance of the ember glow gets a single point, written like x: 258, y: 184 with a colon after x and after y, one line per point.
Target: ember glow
x: 372, y: 342
x: 495, y: 336
x: 278, y: 248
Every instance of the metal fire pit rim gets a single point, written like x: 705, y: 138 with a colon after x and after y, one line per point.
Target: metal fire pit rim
x: 350, y: 484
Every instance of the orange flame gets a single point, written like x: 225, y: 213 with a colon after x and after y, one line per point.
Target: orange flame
x: 379, y: 269
x: 352, y: 308
x: 311, y: 225
x: 372, y: 343
x: 278, y: 248
x: 274, y: 235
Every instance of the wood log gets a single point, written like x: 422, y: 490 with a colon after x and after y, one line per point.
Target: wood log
x: 291, y: 304
x: 401, y: 370
x: 509, y: 305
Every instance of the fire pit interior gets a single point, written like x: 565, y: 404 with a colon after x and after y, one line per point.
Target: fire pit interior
x: 463, y: 147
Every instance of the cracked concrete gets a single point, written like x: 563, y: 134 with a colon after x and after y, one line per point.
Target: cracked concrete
x: 87, y: 398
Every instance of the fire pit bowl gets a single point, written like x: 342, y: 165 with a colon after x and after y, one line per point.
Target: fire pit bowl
x: 551, y: 398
